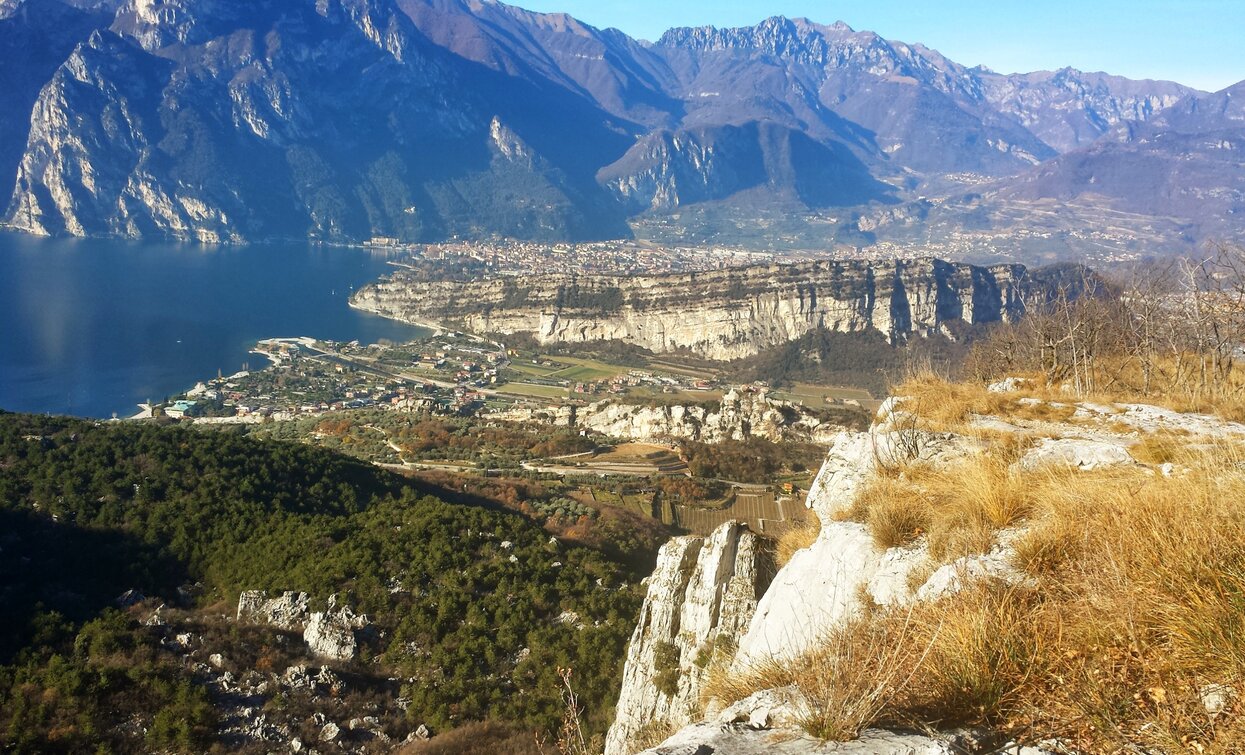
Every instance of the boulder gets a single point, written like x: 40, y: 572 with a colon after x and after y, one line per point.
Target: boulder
x: 771, y: 708
x: 1009, y: 385
x: 953, y: 577
x: 1216, y: 698
x: 329, y: 635
x: 156, y: 619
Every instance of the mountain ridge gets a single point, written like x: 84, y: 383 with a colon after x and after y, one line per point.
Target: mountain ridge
x: 378, y: 117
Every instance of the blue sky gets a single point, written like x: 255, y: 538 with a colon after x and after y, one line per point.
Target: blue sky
x: 1196, y: 42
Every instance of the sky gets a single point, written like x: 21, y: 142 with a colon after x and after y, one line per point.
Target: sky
x: 1200, y: 43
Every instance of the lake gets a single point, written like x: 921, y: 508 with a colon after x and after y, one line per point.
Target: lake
x: 93, y: 327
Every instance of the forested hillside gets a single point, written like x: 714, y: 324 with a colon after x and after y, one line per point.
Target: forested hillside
x: 464, y: 600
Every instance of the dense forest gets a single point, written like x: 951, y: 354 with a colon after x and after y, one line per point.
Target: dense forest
x: 866, y: 360
x: 464, y: 599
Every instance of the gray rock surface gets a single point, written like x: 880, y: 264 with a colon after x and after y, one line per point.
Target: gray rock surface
x: 1085, y: 455
x: 330, y: 635
x: 714, y: 738
x: 289, y: 610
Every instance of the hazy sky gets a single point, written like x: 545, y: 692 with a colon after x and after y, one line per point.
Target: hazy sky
x: 1196, y: 42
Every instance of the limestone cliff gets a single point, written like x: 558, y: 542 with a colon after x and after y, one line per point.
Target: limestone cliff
x: 719, y: 314
x: 700, y: 598
x: 739, y: 415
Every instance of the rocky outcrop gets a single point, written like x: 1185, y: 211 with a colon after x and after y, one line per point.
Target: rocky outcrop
x: 1078, y: 453
x: 822, y: 586
x: 331, y: 633
x: 720, y: 314
x: 738, y: 416
x: 817, y: 591
x: 328, y: 634
x: 767, y: 722
x: 700, y: 598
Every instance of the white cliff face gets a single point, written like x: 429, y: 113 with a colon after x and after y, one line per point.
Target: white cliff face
x: 701, y: 596
x: 740, y: 415
x: 720, y: 314
x: 821, y: 587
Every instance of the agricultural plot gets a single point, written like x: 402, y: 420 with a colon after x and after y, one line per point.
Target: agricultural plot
x: 531, y: 390
x: 817, y: 395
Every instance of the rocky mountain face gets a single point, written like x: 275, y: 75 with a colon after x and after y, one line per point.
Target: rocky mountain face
x: 721, y: 314
x: 1187, y: 161
x: 35, y: 38
x: 427, y: 119
x: 331, y: 119
x: 1068, y: 109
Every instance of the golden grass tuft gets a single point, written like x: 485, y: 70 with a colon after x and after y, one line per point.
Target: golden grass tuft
x: 894, y: 510
x: 984, y: 649
x: 945, y: 405
x: 959, y: 506
x: 799, y: 536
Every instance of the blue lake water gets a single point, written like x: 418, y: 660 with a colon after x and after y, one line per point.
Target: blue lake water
x: 92, y: 327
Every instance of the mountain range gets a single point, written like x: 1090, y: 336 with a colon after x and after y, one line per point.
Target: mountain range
x: 432, y: 119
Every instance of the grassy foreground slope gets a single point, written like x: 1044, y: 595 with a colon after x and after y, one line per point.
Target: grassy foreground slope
x: 1119, y: 623
x: 456, y: 593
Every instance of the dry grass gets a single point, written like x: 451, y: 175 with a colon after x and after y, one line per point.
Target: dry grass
x: 486, y: 738
x: 985, y: 650
x: 894, y: 510
x: 652, y: 734
x: 1177, y: 384
x: 1181, y: 448
x: 1146, y: 574
x: 943, y: 405
x: 848, y: 682
x: 958, y: 507
x: 946, y: 405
